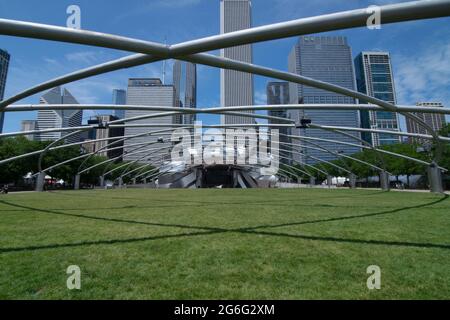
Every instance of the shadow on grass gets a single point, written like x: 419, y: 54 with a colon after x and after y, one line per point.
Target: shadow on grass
x: 333, y: 196
x: 281, y: 203
x: 445, y: 197
x: 213, y: 230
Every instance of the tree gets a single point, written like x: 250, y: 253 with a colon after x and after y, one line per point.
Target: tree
x: 15, y: 170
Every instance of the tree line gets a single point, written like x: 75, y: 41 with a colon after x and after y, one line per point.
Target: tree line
x: 395, y: 165
x: 14, y: 172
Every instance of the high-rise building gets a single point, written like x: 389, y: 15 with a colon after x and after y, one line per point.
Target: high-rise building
x: 119, y: 98
x: 104, y: 134
x: 4, y: 64
x: 434, y: 120
x: 236, y: 88
x: 28, y: 125
x: 328, y: 59
x: 185, y: 83
x: 374, y: 77
x: 147, y: 92
x: 52, y: 119
x: 278, y: 94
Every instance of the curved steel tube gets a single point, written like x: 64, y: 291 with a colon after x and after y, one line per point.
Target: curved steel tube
x: 276, y: 107
x: 45, y: 151
x: 416, y: 10
x: 342, y: 20
x: 359, y: 139
x: 365, y: 147
x: 395, y: 133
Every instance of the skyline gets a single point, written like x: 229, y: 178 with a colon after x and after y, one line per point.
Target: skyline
x: 48, y: 59
x: 236, y: 88
x: 326, y: 59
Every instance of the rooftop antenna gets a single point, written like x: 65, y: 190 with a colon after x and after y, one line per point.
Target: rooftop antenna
x: 164, y: 65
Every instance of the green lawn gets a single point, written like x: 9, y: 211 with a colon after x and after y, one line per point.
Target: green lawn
x: 225, y: 244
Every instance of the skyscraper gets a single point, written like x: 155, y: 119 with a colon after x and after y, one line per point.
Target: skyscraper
x: 374, y: 77
x: 328, y: 59
x: 28, y: 125
x: 119, y: 98
x: 51, y: 119
x: 147, y: 92
x: 4, y: 63
x: 278, y: 93
x: 185, y: 83
x: 106, y: 133
x: 434, y: 120
x: 236, y: 88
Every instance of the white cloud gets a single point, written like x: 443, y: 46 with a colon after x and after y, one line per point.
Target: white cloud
x: 423, y: 76
x: 83, y: 57
x: 260, y: 98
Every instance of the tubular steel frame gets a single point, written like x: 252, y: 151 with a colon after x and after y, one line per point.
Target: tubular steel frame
x: 193, y: 51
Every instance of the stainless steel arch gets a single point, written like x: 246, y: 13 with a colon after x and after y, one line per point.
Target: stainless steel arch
x: 416, y: 10
x: 395, y: 133
x: 365, y: 147
x: 45, y: 151
x: 356, y: 18
x: 319, y: 106
x: 359, y: 139
x: 365, y: 107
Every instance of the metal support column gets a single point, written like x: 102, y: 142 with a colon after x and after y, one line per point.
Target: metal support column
x: 40, y: 181
x: 352, y: 181
x: 435, y: 178
x: 76, y: 185
x: 329, y: 181
x: 384, y: 181
x: 312, y: 181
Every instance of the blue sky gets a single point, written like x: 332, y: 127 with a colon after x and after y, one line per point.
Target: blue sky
x: 420, y: 50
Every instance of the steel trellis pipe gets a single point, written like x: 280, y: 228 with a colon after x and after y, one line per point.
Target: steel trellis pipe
x: 220, y: 110
x: 78, y: 158
x: 123, y: 139
x: 396, y: 133
x: 378, y: 154
x: 129, y: 164
x: 356, y: 18
x: 45, y: 151
x: 110, y: 160
x: 416, y: 10
x: 364, y: 147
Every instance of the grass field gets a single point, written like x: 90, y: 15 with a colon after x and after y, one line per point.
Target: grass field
x: 225, y: 244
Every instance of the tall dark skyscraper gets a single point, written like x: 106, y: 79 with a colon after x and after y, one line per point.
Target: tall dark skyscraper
x: 236, y: 88
x: 278, y: 94
x: 119, y: 98
x: 4, y: 64
x: 374, y: 78
x: 328, y: 59
x: 185, y: 83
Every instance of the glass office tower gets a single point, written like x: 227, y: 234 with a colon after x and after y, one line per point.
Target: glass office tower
x: 374, y: 77
x: 328, y: 59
